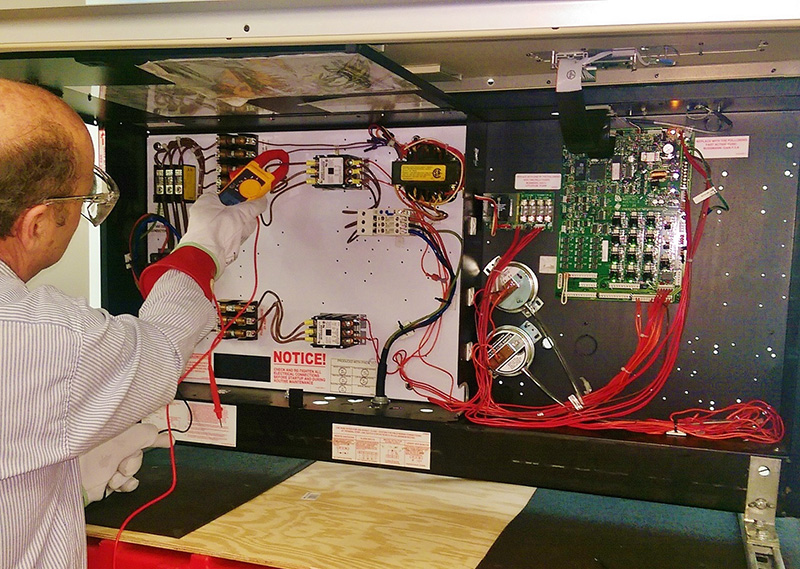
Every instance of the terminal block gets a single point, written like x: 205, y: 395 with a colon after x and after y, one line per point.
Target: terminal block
x: 336, y: 330
x: 234, y: 151
x: 241, y: 319
x: 383, y: 221
x: 337, y: 171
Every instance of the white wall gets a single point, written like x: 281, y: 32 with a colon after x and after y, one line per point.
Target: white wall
x: 78, y: 271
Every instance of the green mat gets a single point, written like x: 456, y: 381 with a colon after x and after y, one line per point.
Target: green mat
x: 565, y: 530
x: 211, y: 482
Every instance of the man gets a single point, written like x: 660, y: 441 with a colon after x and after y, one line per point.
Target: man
x: 71, y: 376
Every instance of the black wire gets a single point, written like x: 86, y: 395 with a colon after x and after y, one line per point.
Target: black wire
x: 179, y: 395
x: 383, y: 362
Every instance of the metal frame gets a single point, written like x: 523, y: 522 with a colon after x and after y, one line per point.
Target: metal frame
x: 760, y: 538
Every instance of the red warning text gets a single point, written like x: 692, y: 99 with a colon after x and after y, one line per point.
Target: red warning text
x: 298, y: 358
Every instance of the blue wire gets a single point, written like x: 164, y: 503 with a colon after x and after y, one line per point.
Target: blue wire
x: 419, y: 232
x: 140, y: 228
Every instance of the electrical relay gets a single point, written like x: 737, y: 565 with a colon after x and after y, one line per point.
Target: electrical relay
x: 335, y: 171
x: 336, y: 330
x: 241, y: 318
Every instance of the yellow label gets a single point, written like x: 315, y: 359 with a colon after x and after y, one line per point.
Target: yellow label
x: 422, y: 172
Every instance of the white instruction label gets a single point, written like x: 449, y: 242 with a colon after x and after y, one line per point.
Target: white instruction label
x: 355, y: 377
x: 295, y: 368
x: 537, y: 182
x: 200, y: 371
x: 201, y: 422
x: 390, y: 447
x: 723, y: 146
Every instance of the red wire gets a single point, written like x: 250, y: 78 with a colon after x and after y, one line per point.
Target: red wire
x: 214, y: 397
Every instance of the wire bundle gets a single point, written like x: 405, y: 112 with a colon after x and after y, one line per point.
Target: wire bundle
x: 447, y: 277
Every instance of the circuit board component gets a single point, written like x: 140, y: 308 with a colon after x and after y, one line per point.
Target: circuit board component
x: 241, y: 319
x: 622, y: 233
x: 521, y: 209
x: 383, y: 221
x: 336, y: 171
x: 336, y: 330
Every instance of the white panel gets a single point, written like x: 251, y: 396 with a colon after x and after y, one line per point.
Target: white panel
x: 305, y: 258
x: 78, y: 271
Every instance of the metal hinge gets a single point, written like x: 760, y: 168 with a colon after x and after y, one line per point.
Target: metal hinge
x: 758, y: 522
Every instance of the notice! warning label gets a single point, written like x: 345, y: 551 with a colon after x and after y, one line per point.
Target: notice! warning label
x: 299, y: 369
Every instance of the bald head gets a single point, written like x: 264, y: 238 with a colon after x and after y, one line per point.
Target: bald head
x: 44, y: 148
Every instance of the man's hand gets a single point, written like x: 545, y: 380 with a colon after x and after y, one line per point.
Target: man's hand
x: 110, y: 466
x: 220, y: 230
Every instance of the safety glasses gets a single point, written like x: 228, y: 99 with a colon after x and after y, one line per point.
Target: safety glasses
x: 100, y: 202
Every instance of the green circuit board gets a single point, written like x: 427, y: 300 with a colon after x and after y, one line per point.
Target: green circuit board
x: 621, y: 232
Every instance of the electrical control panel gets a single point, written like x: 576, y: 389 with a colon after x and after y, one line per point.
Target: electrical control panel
x: 495, y: 278
x: 340, y: 242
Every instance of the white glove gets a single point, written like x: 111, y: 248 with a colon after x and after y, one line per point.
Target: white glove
x: 110, y: 466
x: 220, y: 229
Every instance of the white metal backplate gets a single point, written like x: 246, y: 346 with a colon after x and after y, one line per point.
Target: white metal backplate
x: 304, y: 257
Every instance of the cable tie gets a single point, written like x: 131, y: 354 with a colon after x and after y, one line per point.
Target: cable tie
x: 625, y: 370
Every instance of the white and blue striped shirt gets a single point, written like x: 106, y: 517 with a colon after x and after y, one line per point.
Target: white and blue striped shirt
x: 71, y: 377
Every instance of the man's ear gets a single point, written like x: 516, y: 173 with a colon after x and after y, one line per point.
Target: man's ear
x: 31, y: 225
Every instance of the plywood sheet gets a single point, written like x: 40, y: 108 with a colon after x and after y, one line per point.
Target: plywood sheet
x: 354, y: 517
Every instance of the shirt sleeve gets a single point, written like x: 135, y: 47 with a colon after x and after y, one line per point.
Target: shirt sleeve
x: 128, y: 367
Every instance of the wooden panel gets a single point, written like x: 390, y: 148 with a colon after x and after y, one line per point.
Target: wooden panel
x: 354, y: 517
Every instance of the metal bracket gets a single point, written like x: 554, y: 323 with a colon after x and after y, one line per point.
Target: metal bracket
x: 573, y: 67
x: 532, y: 307
x: 533, y: 331
x: 760, y: 538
